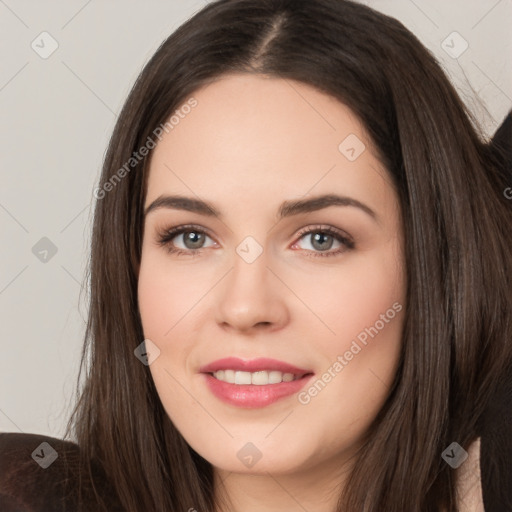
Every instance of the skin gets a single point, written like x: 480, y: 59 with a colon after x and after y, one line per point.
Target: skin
x: 251, y: 143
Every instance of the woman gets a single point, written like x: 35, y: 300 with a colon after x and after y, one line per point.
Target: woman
x: 249, y: 367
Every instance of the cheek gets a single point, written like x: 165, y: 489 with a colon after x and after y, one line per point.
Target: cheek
x: 372, y: 289
x: 167, y: 293
x: 351, y: 298
x: 156, y: 299
x: 365, y: 308
x: 167, y: 296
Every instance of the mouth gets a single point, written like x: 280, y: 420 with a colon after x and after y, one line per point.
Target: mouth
x: 253, y: 384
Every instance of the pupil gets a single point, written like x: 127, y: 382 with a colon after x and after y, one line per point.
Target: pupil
x: 320, y: 237
x: 194, y: 238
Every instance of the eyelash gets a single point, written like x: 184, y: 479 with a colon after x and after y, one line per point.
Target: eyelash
x: 166, y: 236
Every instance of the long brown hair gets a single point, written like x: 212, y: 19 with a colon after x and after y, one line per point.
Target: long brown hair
x: 457, y: 224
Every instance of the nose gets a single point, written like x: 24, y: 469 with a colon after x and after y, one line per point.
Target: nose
x: 251, y: 298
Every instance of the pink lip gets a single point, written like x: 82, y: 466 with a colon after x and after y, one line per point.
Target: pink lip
x: 254, y: 365
x: 251, y: 396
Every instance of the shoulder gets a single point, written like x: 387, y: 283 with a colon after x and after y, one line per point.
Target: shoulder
x: 41, y: 473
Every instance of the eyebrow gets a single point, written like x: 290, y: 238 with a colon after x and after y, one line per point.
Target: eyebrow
x: 287, y: 208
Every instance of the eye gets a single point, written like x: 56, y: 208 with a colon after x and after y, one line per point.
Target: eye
x: 322, y: 238
x: 192, y: 241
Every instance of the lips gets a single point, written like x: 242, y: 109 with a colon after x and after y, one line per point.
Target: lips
x: 255, y: 383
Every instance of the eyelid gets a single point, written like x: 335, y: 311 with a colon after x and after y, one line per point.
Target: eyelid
x: 165, y: 235
x: 324, y: 228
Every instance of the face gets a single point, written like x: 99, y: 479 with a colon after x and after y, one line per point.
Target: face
x: 299, y: 301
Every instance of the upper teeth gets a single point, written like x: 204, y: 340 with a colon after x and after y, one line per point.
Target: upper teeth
x: 257, y: 378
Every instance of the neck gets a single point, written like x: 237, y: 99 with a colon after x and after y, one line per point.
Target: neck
x: 317, y: 488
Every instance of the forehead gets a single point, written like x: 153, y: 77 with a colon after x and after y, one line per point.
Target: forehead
x: 252, y: 136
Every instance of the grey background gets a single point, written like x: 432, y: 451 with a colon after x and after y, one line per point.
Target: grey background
x: 57, y: 115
